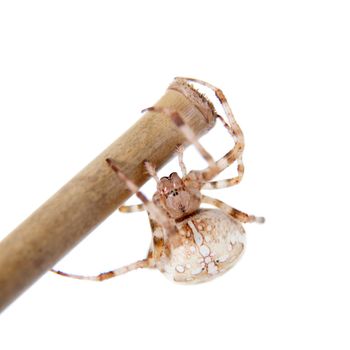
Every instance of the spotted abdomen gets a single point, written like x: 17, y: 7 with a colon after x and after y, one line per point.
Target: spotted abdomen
x: 209, y: 243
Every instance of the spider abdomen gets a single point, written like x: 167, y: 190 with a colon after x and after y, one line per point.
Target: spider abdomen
x: 209, y: 243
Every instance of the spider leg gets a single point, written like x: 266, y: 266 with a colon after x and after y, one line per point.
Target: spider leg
x: 235, y: 154
x: 151, y: 170
x: 186, y: 130
x: 236, y: 214
x: 237, y: 132
x: 113, y: 273
x: 156, y: 212
x: 224, y: 162
x: 140, y: 207
x: 180, y: 152
x: 132, y: 208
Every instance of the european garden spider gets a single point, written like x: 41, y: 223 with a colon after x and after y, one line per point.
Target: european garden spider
x: 190, y: 244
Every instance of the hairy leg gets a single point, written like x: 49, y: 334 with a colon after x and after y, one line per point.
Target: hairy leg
x: 176, y: 117
x: 113, y: 273
x: 132, y: 208
x: 180, y: 151
x: 234, y: 154
x: 237, y: 214
x: 156, y: 212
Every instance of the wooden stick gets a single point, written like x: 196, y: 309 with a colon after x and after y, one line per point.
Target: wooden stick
x: 94, y: 193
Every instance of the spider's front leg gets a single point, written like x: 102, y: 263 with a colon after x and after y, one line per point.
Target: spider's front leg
x: 214, y: 168
x: 131, y: 208
x: 156, y: 212
x: 233, y: 155
x: 140, y: 207
x: 151, y: 171
x: 178, y: 120
x: 180, y: 152
x: 233, y: 125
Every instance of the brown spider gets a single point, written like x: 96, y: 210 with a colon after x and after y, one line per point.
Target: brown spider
x: 190, y: 244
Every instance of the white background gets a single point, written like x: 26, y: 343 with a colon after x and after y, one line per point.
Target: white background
x: 75, y: 74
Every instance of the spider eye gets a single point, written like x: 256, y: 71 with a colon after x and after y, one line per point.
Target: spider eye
x: 174, y: 192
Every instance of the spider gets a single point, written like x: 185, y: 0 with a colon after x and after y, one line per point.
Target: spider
x: 189, y: 244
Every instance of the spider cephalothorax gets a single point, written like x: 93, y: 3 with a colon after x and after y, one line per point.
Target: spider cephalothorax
x: 177, y: 198
x: 190, y: 244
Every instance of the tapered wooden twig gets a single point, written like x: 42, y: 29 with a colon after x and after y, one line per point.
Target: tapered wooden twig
x: 94, y: 193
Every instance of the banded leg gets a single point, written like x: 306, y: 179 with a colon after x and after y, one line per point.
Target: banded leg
x: 235, y: 154
x: 186, y: 130
x: 151, y: 170
x: 156, y: 212
x: 113, y: 273
x: 212, y: 185
x: 180, y: 152
x: 140, y: 207
x: 238, y: 135
x: 132, y: 208
x: 214, y: 168
x: 236, y: 214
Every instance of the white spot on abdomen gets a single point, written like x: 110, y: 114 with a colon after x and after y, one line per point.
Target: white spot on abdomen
x: 196, y: 235
x: 212, y: 268
x: 204, y: 250
x: 180, y: 268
